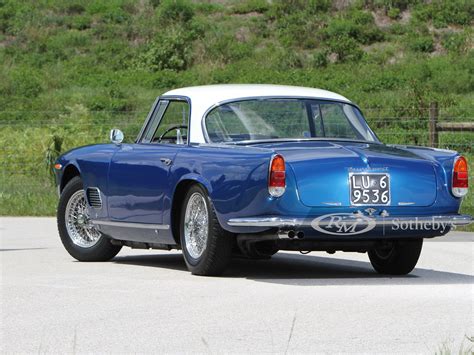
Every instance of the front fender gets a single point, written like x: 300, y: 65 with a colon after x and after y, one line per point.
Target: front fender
x: 69, y: 168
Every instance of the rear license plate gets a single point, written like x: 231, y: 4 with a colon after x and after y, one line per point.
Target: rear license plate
x: 369, y: 189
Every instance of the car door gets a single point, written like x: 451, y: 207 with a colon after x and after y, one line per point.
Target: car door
x: 138, y: 181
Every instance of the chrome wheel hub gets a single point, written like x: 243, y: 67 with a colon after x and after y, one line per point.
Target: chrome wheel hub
x: 196, y: 225
x: 81, y: 231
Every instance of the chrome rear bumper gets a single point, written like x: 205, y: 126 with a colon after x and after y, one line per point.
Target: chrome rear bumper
x: 285, y: 222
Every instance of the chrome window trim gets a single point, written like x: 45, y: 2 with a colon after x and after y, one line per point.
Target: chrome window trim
x: 147, y: 120
x: 150, y: 116
x: 206, y: 113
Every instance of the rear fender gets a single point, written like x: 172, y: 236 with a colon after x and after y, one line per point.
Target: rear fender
x: 235, y: 178
x: 443, y: 160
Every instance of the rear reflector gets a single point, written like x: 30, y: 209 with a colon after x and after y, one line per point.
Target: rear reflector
x: 460, y: 177
x: 277, y: 176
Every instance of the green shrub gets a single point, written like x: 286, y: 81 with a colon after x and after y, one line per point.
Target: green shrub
x: 74, y: 9
x: 443, y: 13
x: 393, y: 13
x: 346, y: 48
x: 420, y: 43
x: 380, y: 81
x: 289, y: 59
x: 361, y: 17
x: 398, y: 29
x: 52, y: 153
x: 319, y: 59
x: 399, y: 4
x: 300, y: 30
x: 171, y: 49
x: 155, y: 3
x: 25, y: 82
x: 79, y: 22
x: 455, y: 42
x: 247, y: 6
x: 165, y: 79
x: 116, y: 15
x: 225, y: 48
x: 450, y: 76
x: 96, y: 7
x: 208, y: 8
x: 363, y: 33
x: 13, y: 16
x: 282, y: 8
x: 175, y: 11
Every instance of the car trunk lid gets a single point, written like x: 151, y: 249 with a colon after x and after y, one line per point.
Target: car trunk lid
x: 322, y: 171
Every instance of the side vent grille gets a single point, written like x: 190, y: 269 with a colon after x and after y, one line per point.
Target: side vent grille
x: 93, y: 197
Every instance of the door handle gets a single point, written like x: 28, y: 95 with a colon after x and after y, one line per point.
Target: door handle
x: 166, y: 161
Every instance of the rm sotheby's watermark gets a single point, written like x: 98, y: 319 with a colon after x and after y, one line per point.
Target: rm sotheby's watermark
x: 353, y: 224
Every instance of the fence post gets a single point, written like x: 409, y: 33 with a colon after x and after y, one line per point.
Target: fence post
x: 434, y: 114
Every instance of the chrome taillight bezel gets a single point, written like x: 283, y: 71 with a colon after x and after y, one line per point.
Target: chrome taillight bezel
x: 459, y: 192
x: 275, y: 191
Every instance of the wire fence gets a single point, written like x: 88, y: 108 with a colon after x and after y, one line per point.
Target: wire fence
x: 30, y: 141
x: 27, y: 138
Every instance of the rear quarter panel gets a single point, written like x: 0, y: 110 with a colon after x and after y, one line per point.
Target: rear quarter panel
x: 235, y: 178
x: 443, y: 161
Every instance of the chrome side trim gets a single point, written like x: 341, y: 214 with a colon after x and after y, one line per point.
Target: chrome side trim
x: 130, y: 225
x: 333, y: 203
x: 267, y: 222
x: 458, y: 220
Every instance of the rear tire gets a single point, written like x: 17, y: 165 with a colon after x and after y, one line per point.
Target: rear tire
x: 207, y: 247
x: 398, y: 259
x: 81, y: 240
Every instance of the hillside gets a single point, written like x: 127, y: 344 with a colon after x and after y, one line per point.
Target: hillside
x: 70, y: 70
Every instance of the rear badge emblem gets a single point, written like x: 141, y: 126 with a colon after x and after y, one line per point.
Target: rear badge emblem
x: 370, y: 211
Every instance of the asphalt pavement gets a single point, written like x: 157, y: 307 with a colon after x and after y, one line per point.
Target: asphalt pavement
x: 145, y: 301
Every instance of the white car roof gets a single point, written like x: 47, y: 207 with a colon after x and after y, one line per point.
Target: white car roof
x: 204, y: 97
x: 213, y: 94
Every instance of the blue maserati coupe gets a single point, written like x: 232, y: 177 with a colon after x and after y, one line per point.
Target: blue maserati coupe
x: 249, y: 170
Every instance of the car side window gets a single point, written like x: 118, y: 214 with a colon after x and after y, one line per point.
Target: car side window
x: 155, y: 119
x: 170, y: 124
x: 335, y: 122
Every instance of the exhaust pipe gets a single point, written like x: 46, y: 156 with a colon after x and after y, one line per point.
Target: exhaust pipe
x: 300, y: 235
x: 291, y: 234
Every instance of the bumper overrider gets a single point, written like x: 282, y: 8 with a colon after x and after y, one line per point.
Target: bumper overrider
x: 356, y: 224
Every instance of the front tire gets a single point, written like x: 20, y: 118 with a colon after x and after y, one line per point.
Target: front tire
x: 207, y: 247
x: 79, y: 237
x: 399, y: 258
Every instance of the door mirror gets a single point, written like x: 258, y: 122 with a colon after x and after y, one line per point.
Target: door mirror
x: 116, y: 136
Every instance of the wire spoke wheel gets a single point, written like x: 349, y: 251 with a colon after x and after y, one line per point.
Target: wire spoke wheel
x: 79, y: 227
x: 196, y: 225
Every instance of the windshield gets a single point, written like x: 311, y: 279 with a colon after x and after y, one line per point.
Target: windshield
x: 266, y: 119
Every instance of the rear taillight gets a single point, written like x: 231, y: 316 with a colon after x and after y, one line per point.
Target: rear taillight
x: 460, y: 177
x: 277, y: 176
